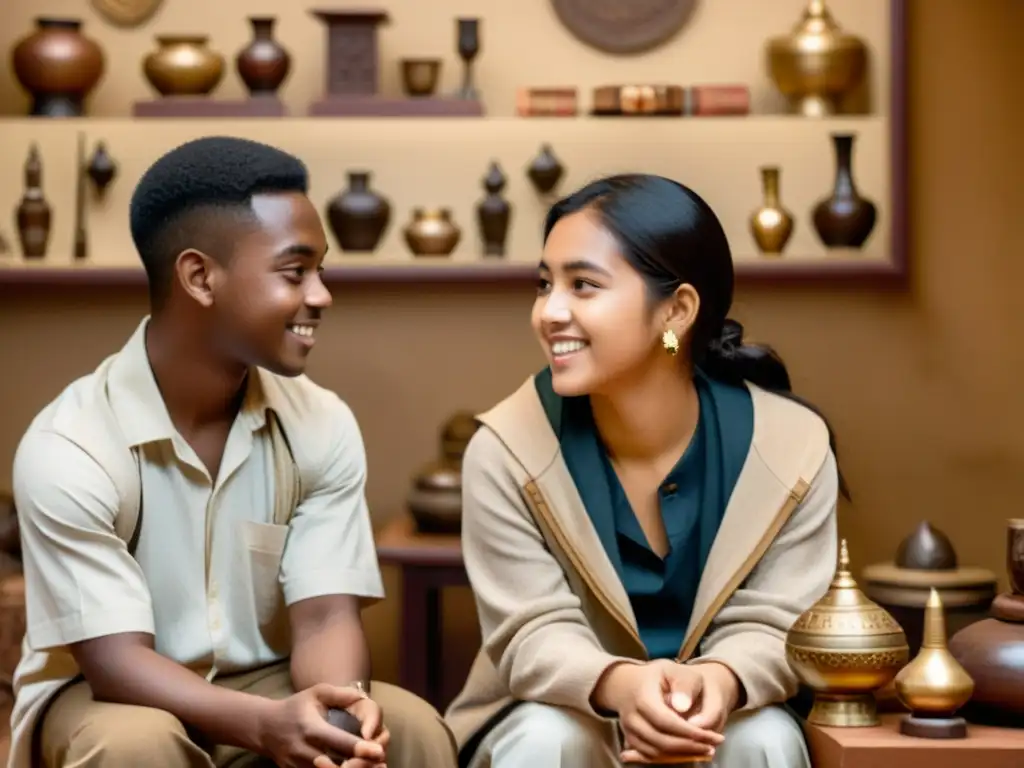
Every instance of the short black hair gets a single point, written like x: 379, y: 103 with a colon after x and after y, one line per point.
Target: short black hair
x: 172, y: 203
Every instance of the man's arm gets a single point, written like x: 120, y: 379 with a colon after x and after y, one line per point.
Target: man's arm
x: 329, y: 567
x: 85, y: 591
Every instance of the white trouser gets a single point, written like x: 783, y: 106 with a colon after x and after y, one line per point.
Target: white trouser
x: 543, y: 736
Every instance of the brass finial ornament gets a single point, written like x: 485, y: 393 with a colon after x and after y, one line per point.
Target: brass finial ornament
x: 934, y: 686
x: 844, y: 648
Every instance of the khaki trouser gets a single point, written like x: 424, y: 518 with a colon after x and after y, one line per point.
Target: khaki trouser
x: 79, y: 732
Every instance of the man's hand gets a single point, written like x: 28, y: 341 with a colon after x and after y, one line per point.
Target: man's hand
x: 294, y: 732
x: 371, y: 720
x: 705, y: 698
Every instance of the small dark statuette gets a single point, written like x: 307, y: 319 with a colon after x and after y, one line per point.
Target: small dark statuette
x: 493, y: 213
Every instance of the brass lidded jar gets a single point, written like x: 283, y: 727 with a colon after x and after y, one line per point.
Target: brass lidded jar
x: 844, y: 648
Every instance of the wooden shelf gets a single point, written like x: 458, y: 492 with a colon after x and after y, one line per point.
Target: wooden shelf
x: 846, y: 270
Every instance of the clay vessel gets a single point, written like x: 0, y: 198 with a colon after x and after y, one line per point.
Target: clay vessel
x: 420, y: 76
x: 992, y: 651
x: 817, y: 64
x: 494, y: 213
x: 1015, y: 555
x: 545, y: 171
x: 933, y: 686
x: 771, y: 224
x: 58, y: 66
x: 435, y: 500
x: 33, y: 213
x: 844, y: 648
x: 358, y: 216
x: 432, y: 232
x: 101, y: 169
x: 844, y: 219
x: 264, y: 63
x: 182, y: 65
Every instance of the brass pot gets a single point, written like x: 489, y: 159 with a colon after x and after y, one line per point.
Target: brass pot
x: 432, y: 232
x: 845, y: 647
x: 771, y: 225
x: 817, y: 64
x: 183, y: 65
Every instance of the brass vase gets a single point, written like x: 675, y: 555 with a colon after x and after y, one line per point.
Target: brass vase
x: 432, y: 232
x: 817, y: 64
x: 844, y: 648
x: 183, y: 65
x: 934, y: 685
x: 771, y: 224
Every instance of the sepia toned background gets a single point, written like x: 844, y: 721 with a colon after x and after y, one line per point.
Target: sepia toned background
x: 919, y: 384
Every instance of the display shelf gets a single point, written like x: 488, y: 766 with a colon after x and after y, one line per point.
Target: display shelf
x: 437, y: 161
x: 749, y: 270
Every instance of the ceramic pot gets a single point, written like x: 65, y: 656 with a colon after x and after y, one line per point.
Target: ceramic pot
x: 435, y: 500
x: 545, y: 171
x: 844, y: 219
x: 58, y: 66
x: 1015, y: 555
x: 33, y: 214
x: 101, y: 169
x: 358, y: 216
x: 420, y: 76
x: 432, y: 232
x: 771, y: 224
x: 992, y: 650
x: 183, y: 65
x: 264, y: 63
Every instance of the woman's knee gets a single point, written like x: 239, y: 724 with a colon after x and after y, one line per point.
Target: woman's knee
x: 766, y: 738
x: 542, y: 734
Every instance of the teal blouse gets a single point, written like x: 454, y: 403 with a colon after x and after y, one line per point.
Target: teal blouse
x: 694, y: 496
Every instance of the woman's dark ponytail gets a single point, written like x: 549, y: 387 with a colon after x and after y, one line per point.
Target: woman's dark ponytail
x: 731, y: 360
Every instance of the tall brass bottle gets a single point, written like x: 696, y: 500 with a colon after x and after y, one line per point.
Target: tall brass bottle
x: 771, y: 225
x: 934, y: 686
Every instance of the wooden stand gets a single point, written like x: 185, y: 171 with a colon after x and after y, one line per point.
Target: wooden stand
x: 934, y: 727
x: 204, y: 106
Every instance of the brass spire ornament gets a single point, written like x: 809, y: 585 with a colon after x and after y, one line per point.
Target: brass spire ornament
x: 844, y: 648
x: 934, y: 686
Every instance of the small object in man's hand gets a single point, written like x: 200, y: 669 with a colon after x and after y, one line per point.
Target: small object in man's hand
x: 346, y: 721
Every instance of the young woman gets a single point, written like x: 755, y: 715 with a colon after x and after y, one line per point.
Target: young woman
x: 645, y: 518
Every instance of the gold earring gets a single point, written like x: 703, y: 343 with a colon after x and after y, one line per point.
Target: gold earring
x: 670, y: 342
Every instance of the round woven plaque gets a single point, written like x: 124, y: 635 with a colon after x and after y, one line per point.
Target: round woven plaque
x: 126, y: 13
x: 624, y: 26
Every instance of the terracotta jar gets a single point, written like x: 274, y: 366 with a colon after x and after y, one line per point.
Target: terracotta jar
x: 183, y: 65
x: 264, y: 63
x: 992, y: 650
x: 58, y: 66
x: 359, y: 215
x: 432, y: 232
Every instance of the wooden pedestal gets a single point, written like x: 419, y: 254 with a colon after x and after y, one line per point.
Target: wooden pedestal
x: 204, y: 106
x: 382, y: 106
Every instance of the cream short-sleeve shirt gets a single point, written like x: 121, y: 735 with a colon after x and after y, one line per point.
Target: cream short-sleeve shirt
x: 218, y: 617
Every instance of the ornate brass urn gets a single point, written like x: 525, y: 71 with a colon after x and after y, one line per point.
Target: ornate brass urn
x: 845, y: 647
x: 817, y: 64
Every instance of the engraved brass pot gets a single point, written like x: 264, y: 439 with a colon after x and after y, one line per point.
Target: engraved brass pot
x: 845, y: 647
x: 817, y: 64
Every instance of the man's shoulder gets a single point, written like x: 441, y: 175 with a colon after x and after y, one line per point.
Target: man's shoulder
x: 316, y: 420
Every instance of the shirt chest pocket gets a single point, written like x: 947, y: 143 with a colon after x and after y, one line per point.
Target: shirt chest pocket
x: 265, y: 547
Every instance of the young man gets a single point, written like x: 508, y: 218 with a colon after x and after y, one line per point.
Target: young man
x: 195, y: 534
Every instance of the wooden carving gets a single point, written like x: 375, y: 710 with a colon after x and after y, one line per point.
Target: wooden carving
x: 620, y: 27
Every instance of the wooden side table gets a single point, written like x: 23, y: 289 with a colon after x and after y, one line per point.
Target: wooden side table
x: 428, y: 564
x: 885, y: 747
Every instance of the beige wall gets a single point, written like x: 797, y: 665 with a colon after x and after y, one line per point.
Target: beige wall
x: 920, y: 386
